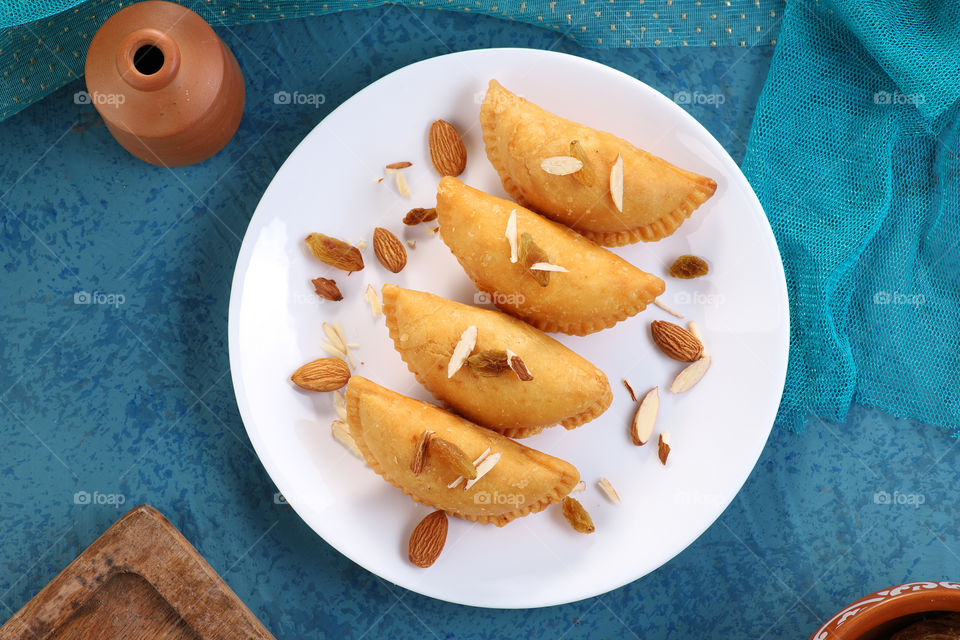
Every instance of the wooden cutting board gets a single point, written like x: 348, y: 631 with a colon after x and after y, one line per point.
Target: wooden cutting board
x: 141, y: 580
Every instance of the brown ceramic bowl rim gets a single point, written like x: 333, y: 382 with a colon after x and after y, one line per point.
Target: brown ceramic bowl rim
x: 879, y: 607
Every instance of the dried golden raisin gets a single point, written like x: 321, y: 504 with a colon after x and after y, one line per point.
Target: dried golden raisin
x: 577, y: 516
x: 418, y: 215
x: 335, y: 253
x: 489, y: 363
x: 585, y: 175
x: 453, y: 456
x: 531, y: 254
x: 688, y: 266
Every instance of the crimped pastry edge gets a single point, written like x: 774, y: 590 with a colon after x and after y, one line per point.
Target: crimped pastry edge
x: 595, y: 410
x: 356, y: 430
x: 657, y: 230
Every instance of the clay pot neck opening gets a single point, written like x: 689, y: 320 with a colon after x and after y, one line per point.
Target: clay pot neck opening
x: 148, y: 59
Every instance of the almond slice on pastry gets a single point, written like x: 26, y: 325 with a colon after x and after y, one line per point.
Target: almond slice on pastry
x: 596, y: 290
x: 565, y: 389
x: 656, y: 198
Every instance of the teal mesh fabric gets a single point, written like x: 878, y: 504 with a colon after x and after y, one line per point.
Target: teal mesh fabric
x: 42, y: 50
x: 853, y: 153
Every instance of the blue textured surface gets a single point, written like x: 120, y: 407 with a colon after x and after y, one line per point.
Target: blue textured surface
x: 136, y: 400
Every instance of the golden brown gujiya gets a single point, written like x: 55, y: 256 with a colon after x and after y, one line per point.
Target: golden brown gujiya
x: 596, y: 290
x: 564, y: 389
x: 657, y: 196
x: 388, y: 426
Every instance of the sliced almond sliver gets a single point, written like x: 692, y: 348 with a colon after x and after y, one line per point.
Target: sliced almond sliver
x: 468, y: 340
x: 616, y: 183
x: 561, y: 165
x: 374, y: 299
x: 484, y: 468
x: 337, y: 341
x: 546, y: 266
x: 348, y: 345
x: 339, y: 329
x: 691, y: 375
x: 633, y: 394
x: 663, y: 305
x: 695, y: 330
x: 420, y: 453
x: 340, y: 404
x: 579, y: 487
x: 341, y: 433
x: 608, y: 490
x: 402, y: 186
x: 519, y: 366
x: 480, y: 458
x: 511, y: 235
x: 663, y: 447
x: 646, y: 417
x: 333, y: 350
x: 334, y: 337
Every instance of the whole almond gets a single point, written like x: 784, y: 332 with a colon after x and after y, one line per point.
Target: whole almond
x: 389, y: 250
x: 675, y: 341
x: 325, y: 374
x: 447, y: 152
x: 427, y: 539
x: 327, y: 289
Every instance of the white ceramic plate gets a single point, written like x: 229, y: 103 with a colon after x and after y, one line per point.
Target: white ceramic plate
x: 718, y: 429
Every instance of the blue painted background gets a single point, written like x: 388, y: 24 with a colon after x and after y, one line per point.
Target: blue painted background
x: 135, y: 399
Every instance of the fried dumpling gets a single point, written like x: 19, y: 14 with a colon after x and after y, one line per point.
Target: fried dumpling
x: 563, y: 387
x: 518, y: 480
x: 595, y: 289
x: 656, y: 196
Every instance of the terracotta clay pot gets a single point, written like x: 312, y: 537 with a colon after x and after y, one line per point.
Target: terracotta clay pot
x: 883, y: 613
x: 166, y: 86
